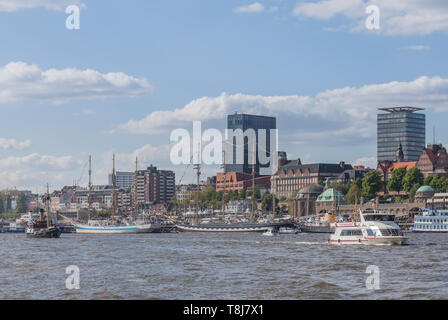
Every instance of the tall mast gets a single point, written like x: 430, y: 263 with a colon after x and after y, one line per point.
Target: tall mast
x: 273, y: 204
x: 253, y: 186
x: 47, y: 203
x: 224, y: 187
x: 89, y: 199
x: 197, y: 167
x: 135, y: 189
x: 114, y: 209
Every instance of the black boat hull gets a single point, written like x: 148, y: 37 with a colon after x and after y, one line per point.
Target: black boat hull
x: 52, y: 232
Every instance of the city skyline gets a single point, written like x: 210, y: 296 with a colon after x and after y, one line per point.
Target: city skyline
x: 134, y: 72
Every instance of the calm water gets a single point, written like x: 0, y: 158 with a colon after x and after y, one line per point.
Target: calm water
x: 219, y: 266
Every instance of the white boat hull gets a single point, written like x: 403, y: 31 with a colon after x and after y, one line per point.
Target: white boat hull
x: 86, y: 229
x: 370, y: 241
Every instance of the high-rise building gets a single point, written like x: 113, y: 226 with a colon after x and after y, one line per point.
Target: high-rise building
x: 245, y: 122
x: 155, y: 186
x: 123, y: 179
x: 400, y: 126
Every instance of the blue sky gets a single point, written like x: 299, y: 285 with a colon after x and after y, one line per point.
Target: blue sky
x: 312, y: 64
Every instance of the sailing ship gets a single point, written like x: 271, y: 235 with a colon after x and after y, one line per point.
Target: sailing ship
x: 114, y: 226
x: 40, y: 228
x: 252, y: 226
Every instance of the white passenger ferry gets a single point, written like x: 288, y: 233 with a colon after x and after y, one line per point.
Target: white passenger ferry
x: 431, y: 221
x: 376, y: 227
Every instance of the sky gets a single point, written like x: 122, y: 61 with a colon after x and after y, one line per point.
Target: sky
x: 137, y: 70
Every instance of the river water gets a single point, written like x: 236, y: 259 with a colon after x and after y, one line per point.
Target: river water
x: 220, y: 266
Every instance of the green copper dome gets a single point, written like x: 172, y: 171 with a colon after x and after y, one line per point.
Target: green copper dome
x: 425, y: 189
x: 331, y: 195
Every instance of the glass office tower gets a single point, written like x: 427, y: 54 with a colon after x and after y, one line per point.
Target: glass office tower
x: 400, y: 125
x: 244, y: 122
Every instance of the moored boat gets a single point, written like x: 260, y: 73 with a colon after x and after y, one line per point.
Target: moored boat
x: 234, y: 227
x: 431, y: 221
x: 41, y: 229
x: 375, y: 228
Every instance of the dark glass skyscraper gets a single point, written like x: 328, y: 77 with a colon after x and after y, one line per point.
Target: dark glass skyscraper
x: 245, y: 122
x: 400, y: 125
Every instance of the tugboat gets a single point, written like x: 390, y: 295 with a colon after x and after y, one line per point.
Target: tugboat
x: 41, y: 228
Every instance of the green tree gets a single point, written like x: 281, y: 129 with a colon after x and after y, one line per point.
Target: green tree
x: 266, y: 202
x: 242, y: 194
x: 2, y: 205
x: 439, y: 183
x: 412, y: 192
x: 427, y: 181
x: 371, y: 184
x: 396, y: 180
x: 354, y: 193
x: 413, y: 177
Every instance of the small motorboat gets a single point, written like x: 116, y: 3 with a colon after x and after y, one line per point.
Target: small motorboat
x: 270, y: 232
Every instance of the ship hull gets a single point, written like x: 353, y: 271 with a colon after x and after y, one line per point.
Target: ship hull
x: 250, y: 227
x: 85, y: 229
x: 52, y: 232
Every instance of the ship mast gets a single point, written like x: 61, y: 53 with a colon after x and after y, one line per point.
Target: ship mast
x: 253, y: 187
x: 89, y: 198
x: 47, y: 203
x: 224, y: 187
x: 135, y: 189
x: 197, y: 167
x: 273, y: 204
x: 114, y: 209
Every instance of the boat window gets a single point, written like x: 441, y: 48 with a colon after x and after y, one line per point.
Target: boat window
x: 369, y: 232
x: 391, y: 232
x: 355, y: 232
x: 379, y: 217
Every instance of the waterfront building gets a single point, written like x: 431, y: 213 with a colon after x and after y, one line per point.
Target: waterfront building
x: 245, y: 122
x: 184, y: 191
x: 123, y: 179
x: 329, y: 201
x: 292, y: 175
x: 433, y: 160
x: 231, y: 181
x: 400, y: 125
x: 303, y: 203
x: 155, y: 186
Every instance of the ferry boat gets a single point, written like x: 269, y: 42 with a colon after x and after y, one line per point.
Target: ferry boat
x: 375, y: 228
x: 431, y: 221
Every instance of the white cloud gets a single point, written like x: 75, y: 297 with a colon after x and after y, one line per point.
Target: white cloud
x: 36, y: 170
x: 417, y: 47
x: 14, y: 144
x: 398, y: 17
x: 255, y: 7
x: 368, y: 162
x: 22, y: 81
x: 334, y: 117
x: 58, y: 5
x: 88, y: 112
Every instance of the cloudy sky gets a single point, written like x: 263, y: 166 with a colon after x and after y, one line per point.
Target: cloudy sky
x: 136, y: 70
